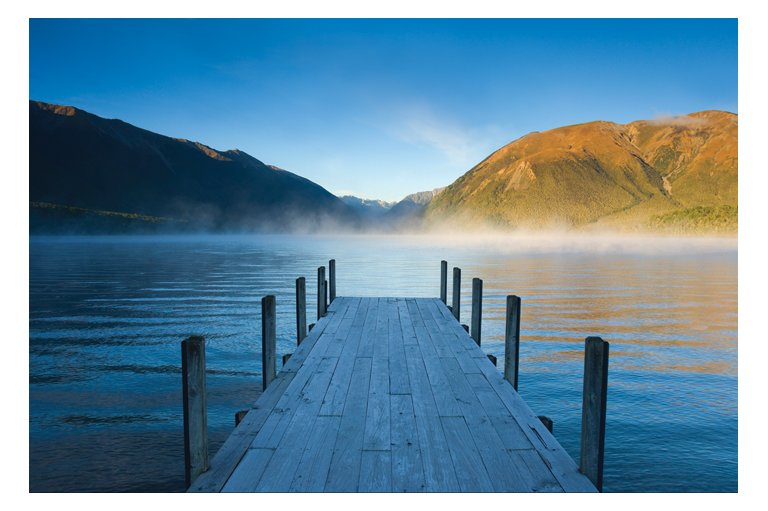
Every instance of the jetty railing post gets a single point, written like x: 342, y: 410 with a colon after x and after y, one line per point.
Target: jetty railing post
x: 268, y: 340
x: 320, y: 291
x: 332, y: 280
x: 444, y: 282
x: 477, y: 309
x: 593, y: 410
x: 456, y: 292
x: 301, y: 309
x: 195, y: 408
x: 512, y: 340
x: 325, y: 293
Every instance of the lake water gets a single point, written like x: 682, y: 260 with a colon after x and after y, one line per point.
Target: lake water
x: 107, y: 315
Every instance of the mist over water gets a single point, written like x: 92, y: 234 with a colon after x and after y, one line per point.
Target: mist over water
x: 107, y: 315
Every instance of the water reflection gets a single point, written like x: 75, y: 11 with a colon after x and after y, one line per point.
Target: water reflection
x: 107, y: 315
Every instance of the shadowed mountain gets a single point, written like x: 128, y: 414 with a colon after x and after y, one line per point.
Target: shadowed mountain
x: 104, y: 168
x: 678, y: 174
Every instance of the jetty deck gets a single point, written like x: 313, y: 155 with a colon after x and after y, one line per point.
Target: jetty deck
x: 390, y: 395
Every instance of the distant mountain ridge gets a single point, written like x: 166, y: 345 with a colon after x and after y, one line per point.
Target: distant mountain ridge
x: 644, y: 175
x: 84, y: 162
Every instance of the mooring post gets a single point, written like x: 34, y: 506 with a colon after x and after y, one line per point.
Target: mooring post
x: 301, y: 309
x: 239, y: 416
x: 444, y: 282
x: 332, y: 280
x: 195, y: 408
x: 593, y: 410
x: 311, y: 326
x: 547, y: 422
x: 320, y: 291
x: 512, y: 340
x: 477, y: 308
x: 325, y: 295
x: 268, y: 340
x: 286, y: 357
x: 493, y: 359
x: 456, y: 292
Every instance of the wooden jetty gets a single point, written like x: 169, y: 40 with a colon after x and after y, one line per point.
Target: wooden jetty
x: 391, y: 395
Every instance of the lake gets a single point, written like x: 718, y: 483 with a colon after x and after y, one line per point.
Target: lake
x: 107, y: 315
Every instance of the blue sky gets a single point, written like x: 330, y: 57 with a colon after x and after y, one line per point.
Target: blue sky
x: 380, y: 108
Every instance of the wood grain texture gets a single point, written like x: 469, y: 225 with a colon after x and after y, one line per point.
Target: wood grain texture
x: 390, y: 395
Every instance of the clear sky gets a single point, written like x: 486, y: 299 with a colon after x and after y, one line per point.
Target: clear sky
x: 380, y: 108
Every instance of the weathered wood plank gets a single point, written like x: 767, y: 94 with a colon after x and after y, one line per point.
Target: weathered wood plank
x: 344, y: 471
x: 375, y: 472
x: 377, y: 425
x: 470, y: 471
x: 336, y: 396
x: 312, y: 470
x: 249, y: 471
x: 399, y: 383
x: 279, y: 474
x: 407, y: 469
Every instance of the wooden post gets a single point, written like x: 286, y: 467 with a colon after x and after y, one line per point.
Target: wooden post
x: 301, y: 309
x: 311, y: 326
x: 593, y: 410
x: 239, y: 416
x: 547, y: 422
x: 493, y: 359
x: 286, y: 357
x: 512, y: 340
x: 325, y: 293
x: 195, y: 408
x: 465, y: 327
x: 477, y: 308
x: 444, y: 281
x: 320, y: 291
x: 456, y: 292
x: 332, y: 280
x: 268, y: 340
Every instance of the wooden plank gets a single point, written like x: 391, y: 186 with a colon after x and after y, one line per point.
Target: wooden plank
x: 279, y: 474
x: 375, y: 472
x: 537, y: 468
x: 312, y: 471
x: 249, y: 471
x: 338, y: 339
x: 236, y: 445
x: 407, y: 469
x: 268, y: 340
x: 301, y: 309
x: 593, y: 410
x: 506, y: 476
x: 368, y: 335
x: 406, y: 325
x: 195, y: 408
x: 377, y: 425
x: 344, y: 471
x: 470, y: 471
x: 399, y: 382
x: 336, y: 396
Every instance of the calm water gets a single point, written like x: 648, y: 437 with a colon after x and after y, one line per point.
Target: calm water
x: 107, y: 315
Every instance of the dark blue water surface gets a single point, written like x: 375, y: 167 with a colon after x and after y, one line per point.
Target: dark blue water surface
x: 107, y: 315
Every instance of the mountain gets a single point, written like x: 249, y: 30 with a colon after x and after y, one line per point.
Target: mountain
x: 367, y: 208
x: 678, y: 174
x: 409, y: 212
x: 105, y: 169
